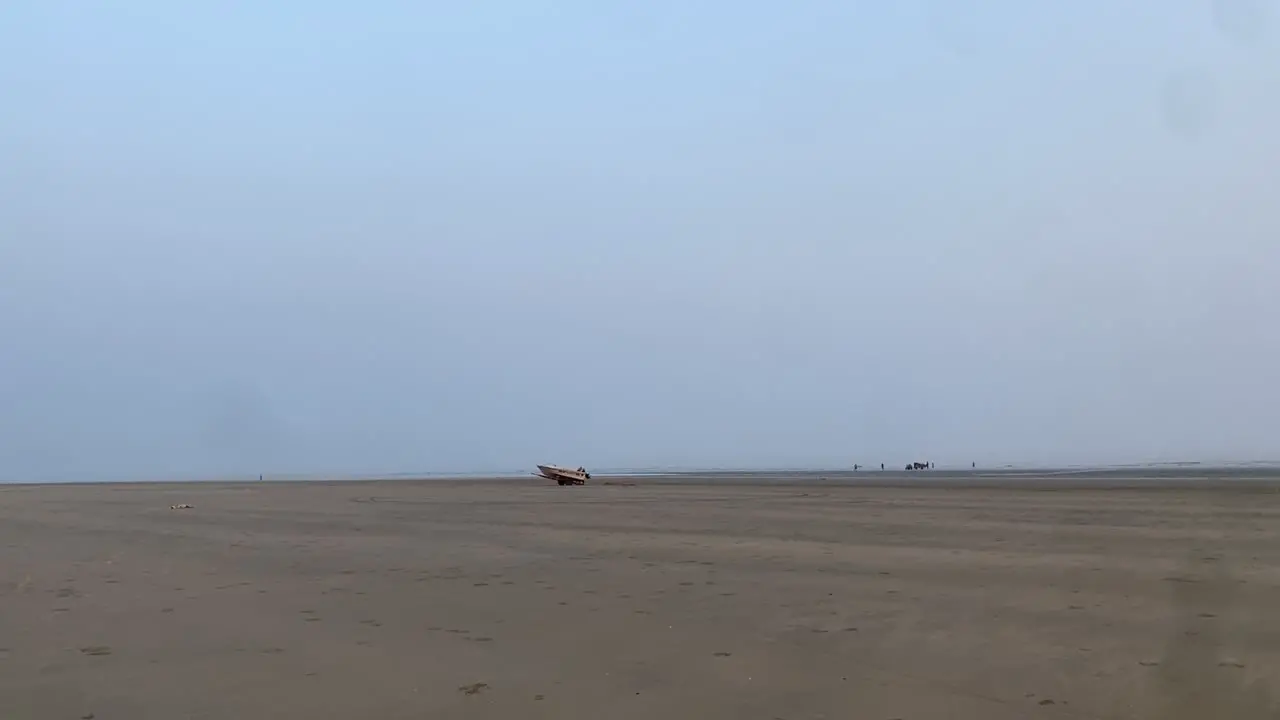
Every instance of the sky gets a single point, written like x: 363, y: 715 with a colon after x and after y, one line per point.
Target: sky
x: 328, y: 237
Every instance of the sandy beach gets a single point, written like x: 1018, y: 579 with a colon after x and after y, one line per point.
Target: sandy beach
x: 640, y: 599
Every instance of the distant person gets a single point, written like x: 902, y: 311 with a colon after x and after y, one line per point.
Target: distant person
x: 881, y: 466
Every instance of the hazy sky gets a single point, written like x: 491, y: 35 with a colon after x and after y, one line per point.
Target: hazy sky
x: 242, y: 237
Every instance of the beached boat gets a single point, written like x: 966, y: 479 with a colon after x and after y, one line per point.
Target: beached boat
x: 564, y: 476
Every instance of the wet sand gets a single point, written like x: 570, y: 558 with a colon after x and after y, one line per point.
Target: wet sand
x: 642, y: 598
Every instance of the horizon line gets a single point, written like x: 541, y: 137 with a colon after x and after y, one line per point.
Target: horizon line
x: 652, y: 470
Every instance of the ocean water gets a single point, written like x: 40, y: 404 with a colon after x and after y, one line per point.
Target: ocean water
x: 1188, y: 470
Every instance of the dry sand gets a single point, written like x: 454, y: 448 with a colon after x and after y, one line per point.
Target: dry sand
x: 487, y: 599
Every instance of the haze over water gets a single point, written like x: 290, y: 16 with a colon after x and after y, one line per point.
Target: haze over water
x: 322, y: 238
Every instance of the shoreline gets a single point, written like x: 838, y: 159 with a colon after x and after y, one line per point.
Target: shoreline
x: 1109, y: 477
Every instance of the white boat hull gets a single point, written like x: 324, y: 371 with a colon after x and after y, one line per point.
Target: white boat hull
x: 564, y: 476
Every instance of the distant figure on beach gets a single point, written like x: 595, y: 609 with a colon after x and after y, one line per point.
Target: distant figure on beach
x: 975, y: 465
x: 881, y: 466
x: 855, y: 466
